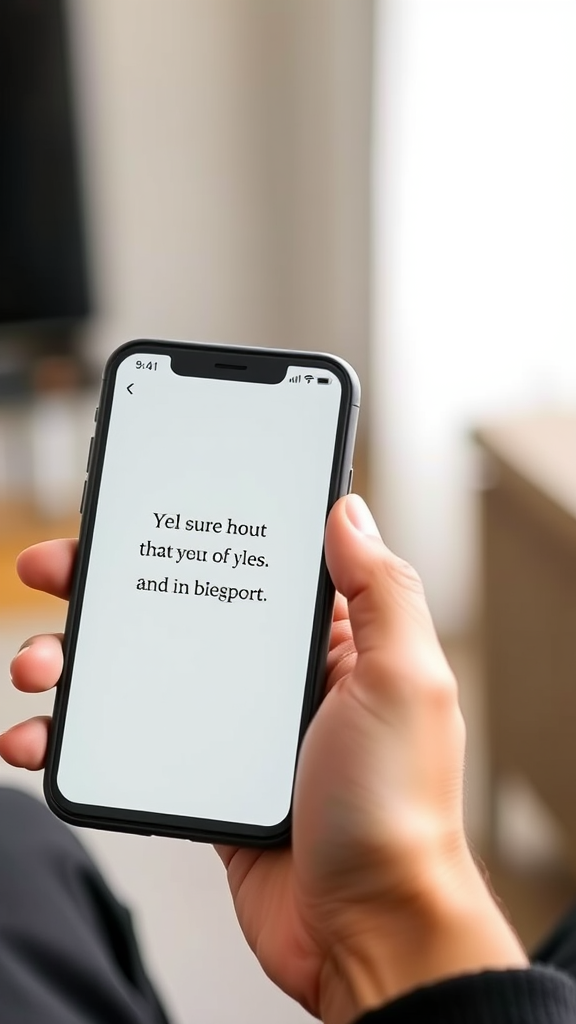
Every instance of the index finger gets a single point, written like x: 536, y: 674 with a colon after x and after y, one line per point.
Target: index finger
x: 340, y: 608
x: 48, y: 566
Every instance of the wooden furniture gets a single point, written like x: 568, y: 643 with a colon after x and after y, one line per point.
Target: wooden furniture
x: 528, y: 531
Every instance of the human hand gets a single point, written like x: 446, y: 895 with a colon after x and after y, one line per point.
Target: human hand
x: 378, y: 892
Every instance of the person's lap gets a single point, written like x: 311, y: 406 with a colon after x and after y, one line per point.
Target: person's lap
x: 68, y: 954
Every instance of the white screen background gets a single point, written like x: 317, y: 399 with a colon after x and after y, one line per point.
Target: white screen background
x: 184, y: 704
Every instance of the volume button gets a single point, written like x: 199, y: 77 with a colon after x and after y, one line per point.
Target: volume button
x: 89, y: 455
x: 82, y: 498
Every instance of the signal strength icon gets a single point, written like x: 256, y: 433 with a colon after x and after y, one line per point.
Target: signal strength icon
x: 295, y: 380
x: 309, y: 378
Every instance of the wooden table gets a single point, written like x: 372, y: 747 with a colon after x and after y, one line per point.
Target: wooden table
x: 528, y: 516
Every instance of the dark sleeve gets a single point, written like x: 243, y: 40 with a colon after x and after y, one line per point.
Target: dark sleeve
x: 538, y: 995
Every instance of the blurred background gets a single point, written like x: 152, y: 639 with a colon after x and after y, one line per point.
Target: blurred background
x: 390, y: 180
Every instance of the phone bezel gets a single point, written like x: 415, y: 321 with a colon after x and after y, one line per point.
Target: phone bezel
x: 145, y: 822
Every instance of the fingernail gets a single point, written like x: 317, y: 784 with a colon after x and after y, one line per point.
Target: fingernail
x: 360, y: 516
x: 15, y: 658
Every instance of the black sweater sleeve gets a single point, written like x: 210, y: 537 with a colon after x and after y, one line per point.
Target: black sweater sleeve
x: 538, y: 995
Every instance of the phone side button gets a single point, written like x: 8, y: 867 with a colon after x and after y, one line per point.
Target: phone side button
x: 82, y: 498
x: 350, y: 479
x: 89, y: 459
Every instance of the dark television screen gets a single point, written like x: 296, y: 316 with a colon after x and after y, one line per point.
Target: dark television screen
x: 43, y: 275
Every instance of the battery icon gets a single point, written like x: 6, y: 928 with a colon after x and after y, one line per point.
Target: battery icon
x: 323, y: 380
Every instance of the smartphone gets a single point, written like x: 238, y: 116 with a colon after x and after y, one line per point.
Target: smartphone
x: 197, y: 632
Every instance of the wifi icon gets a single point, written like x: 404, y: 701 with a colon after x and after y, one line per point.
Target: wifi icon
x: 309, y: 377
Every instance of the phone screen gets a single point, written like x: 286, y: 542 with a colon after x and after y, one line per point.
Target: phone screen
x: 194, y: 639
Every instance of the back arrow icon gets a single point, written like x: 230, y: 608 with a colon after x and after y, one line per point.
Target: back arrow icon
x: 129, y: 388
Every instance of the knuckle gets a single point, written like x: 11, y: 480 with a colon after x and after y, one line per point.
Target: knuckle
x: 442, y: 690
x: 397, y: 581
x: 403, y: 574
x: 414, y: 676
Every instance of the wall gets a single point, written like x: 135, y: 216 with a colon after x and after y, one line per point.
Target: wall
x: 475, y: 257
x: 227, y: 162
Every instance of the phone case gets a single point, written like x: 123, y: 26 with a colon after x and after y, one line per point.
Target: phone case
x: 208, y: 360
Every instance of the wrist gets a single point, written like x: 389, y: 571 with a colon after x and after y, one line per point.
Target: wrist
x: 452, y: 930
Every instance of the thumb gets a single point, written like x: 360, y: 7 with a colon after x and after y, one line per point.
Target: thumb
x: 386, y: 602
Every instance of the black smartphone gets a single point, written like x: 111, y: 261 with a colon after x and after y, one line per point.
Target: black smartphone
x: 197, y: 632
